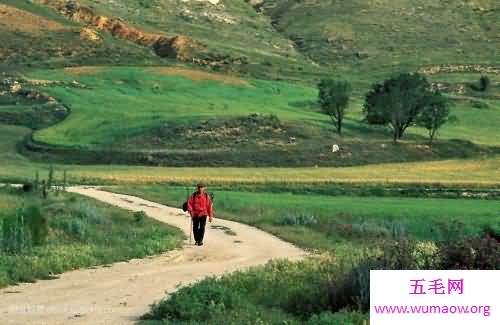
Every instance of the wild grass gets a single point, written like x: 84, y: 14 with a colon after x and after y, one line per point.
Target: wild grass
x: 42, y: 238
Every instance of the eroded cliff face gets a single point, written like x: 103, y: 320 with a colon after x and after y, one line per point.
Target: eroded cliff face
x: 178, y: 47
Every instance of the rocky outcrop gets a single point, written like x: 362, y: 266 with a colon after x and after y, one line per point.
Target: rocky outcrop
x: 178, y: 47
x: 91, y: 35
x: 460, y: 68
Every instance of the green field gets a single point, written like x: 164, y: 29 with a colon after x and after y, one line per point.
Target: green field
x: 175, y: 98
x: 194, y: 118
x: 346, y: 230
x: 416, y: 217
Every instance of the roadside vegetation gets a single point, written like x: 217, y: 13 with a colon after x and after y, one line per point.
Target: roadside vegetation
x: 351, y: 235
x: 43, y: 237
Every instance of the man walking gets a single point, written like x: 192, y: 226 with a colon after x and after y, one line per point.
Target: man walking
x: 199, y: 206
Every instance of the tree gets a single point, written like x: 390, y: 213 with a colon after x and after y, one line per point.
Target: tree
x: 333, y: 98
x: 397, y: 102
x: 434, y: 115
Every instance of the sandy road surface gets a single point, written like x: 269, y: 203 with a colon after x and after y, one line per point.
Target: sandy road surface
x: 121, y: 293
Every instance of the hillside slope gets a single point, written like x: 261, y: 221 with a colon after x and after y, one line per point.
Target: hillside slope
x: 366, y: 37
x: 274, y: 38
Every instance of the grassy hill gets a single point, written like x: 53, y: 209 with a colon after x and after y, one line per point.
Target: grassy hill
x: 182, y: 117
x: 372, y: 37
x: 244, y: 93
x: 360, y: 40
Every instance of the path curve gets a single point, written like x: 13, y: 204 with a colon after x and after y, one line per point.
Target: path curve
x: 121, y: 293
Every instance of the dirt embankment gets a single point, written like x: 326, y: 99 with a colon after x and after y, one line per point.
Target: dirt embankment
x: 15, y: 19
x: 178, y: 47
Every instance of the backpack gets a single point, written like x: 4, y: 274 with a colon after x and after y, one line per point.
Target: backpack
x: 185, y: 204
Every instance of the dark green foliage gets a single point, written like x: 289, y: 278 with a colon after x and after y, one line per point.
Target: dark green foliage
x: 28, y: 187
x: 50, y: 181
x: 397, y: 102
x: 15, y: 234
x: 280, y: 286
x: 64, y: 181
x: 37, y: 224
x: 473, y: 253
x: 139, y: 216
x: 333, y: 99
x: 484, y: 83
x: 434, y: 114
x: 339, y: 318
x: 22, y: 230
x: 76, y: 228
x: 36, y: 183
x: 208, y: 299
x: 352, y: 290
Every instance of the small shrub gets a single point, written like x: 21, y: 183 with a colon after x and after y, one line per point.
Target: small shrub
x: 298, y: 220
x: 27, y: 187
x: 37, y: 223
x: 476, y: 253
x: 89, y: 213
x: 352, y: 290
x: 479, y: 104
x: 75, y: 228
x: 16, y: 235
x: 200, y: 302
x: 484, y: 83
x: 139, y: 217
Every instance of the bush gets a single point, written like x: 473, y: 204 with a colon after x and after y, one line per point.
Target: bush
x: 352, y: 290
x: 37, y: 223
x: 198, y: 302
x: 484, y: 83
x: 76, y: 228
x: 87, y: 212
x: 477, y: 253
x: 139, y: 217
x: 26, y: 228
x: 28, y: 187
x: 16, y: 236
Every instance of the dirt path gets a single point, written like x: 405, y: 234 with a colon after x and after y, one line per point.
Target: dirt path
x: 121, y: 293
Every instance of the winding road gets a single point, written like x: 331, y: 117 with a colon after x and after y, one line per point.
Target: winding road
x: 121, y: 293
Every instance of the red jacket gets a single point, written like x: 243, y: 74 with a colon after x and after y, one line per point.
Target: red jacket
x: 200, y: 205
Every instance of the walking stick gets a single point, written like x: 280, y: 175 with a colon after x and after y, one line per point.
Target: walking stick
x: 190, y: 230
x: 190, y: 220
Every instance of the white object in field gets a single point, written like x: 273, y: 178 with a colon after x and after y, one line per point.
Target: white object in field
x: 335, y: 148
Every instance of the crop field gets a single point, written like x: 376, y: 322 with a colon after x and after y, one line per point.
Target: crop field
x: 328, y: 221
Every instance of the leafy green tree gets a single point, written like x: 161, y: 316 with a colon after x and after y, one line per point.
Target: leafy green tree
x: 434, y: 115
x: 333, y: 98
x: 397, y: 102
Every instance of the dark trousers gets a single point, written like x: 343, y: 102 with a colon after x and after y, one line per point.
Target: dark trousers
x: 199, y: 228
